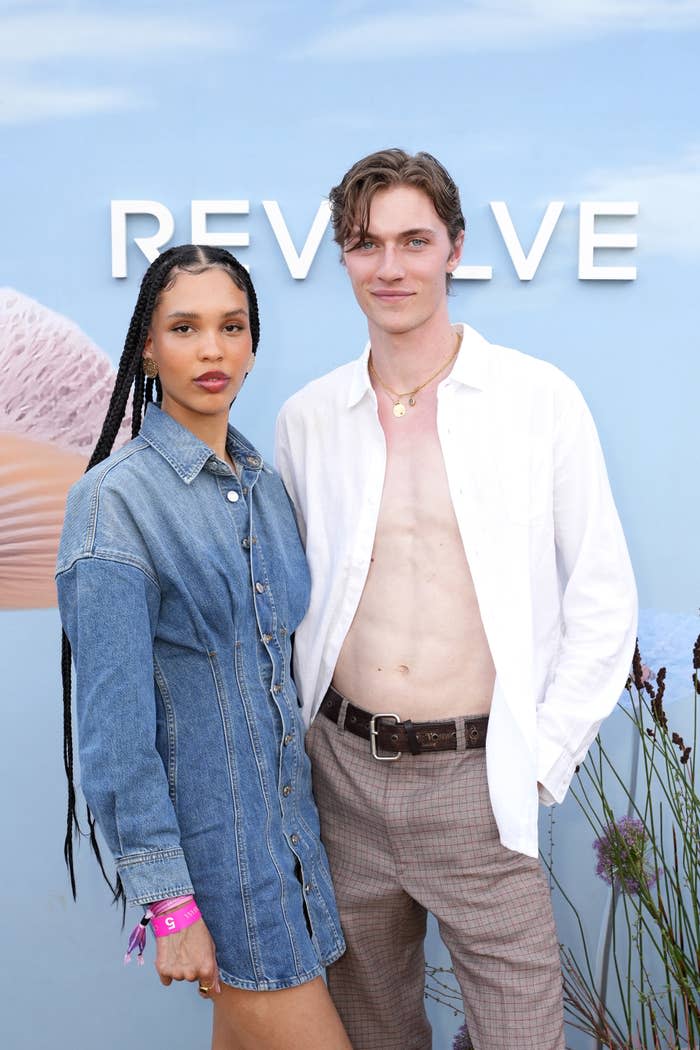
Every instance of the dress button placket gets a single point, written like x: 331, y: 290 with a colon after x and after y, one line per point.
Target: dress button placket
x: 264, y: 604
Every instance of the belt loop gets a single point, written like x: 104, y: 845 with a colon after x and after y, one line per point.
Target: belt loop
x: 413, y: 744
x: 460, y: 726
x: 343, y: 710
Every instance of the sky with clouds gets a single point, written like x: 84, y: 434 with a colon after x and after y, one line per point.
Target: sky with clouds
x: 525, y: 101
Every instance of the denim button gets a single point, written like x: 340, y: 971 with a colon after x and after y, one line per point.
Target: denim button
x: 294, y: 839
x: 232, y: 496
x: 277, y: 688
x: 288, y: 739
x: 245, y: 490
x: 253, y: 461
x: 259, y: 587
x: 286, y: 790
x: 267, y: 638
x: 245, y: 543
x: 307, y: 888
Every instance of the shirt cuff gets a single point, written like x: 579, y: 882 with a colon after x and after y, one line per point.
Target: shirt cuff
x: 546, y: 797
x: 556, y: 767
x: 154, y: 875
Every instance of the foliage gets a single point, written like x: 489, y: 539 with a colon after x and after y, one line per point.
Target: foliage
x: 650, y: 858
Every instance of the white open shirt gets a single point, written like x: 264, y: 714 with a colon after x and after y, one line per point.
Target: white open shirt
x: 541, y: 535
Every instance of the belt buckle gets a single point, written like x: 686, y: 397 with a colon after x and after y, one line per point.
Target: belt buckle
x: 374, y: 733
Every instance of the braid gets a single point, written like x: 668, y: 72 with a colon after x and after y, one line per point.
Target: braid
x: 130, y: 374
x: 72, y: 819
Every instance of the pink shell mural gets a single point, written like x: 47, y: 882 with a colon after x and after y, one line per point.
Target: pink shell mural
x: 55, y: 386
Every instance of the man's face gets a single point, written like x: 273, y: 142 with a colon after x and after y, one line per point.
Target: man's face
x: 398, y: 271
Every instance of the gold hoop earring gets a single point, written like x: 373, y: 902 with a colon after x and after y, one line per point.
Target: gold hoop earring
x: 150, y: 368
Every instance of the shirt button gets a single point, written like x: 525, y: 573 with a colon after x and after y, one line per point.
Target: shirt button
x: 277, y: 688
x: 246, y: 542
x: 294, y: 839
x: 245, y: 490
x: 286, y: 790
x: 267, y: 638
x: 307, y: 888
x: 259, y: 587
x: 253, y: 461
x: 232, y: 496
x: 288, y: 739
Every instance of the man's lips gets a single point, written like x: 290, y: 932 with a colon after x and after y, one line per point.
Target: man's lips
x: 390, y: 296
x: 212, y: 381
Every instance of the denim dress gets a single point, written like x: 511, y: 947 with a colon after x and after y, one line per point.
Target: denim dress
x: 180, y: 585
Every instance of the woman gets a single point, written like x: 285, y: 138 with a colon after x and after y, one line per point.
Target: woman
x: 181, y: 578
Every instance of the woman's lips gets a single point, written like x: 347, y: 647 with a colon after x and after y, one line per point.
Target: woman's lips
x: 213, y: 382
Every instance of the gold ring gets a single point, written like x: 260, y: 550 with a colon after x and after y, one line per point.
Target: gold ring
x: 204, y: 989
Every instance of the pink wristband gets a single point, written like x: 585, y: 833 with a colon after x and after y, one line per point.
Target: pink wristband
x: 164, y: 925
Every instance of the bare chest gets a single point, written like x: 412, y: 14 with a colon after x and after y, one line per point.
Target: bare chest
x: 416, y: 499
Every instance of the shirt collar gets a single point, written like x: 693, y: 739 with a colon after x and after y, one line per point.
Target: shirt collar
x: 185, y: 453
x: 359, y: 382
x: 470, y: 367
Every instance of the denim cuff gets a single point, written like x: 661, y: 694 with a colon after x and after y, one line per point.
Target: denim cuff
x: 154, y: 875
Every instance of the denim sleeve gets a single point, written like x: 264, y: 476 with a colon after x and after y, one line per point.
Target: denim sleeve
x: 109, y: 610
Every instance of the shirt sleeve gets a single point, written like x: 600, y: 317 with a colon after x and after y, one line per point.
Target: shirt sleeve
x: 284, y: 464
x: 109, y: 610
x: 599, y: 602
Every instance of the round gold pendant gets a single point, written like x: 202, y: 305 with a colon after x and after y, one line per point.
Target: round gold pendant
x: 399, y: 410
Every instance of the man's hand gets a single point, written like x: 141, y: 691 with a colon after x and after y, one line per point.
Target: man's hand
x: 188, y: 956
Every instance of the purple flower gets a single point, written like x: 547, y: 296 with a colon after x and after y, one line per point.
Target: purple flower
x: 622, y: 856
x: 462, y: 1040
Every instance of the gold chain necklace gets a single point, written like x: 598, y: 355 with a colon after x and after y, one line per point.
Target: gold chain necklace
x: 399, y: 409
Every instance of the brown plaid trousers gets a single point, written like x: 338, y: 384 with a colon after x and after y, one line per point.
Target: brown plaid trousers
x: 419, y: 835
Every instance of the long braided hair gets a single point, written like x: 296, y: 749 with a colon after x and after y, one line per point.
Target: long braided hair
x: 159, y: 276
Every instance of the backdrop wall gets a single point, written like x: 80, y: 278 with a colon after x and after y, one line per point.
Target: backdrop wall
x: 527, y: 103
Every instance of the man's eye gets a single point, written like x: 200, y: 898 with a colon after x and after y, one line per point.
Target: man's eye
x: 417, y: 242
x: 233, y: 327
x: 367, y: 245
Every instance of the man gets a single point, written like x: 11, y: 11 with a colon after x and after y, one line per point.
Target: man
x: 467, y: 561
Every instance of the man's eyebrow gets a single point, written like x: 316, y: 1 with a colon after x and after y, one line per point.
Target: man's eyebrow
x: 420, y: 231
x: 191, y: 315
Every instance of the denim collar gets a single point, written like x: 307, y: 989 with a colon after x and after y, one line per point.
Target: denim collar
x: 470, y: 368
x: 185, y: 453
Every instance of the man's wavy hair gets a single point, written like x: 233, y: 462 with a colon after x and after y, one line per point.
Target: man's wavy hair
x: 352, y: 198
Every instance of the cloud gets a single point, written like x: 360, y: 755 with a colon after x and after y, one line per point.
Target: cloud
x: 51, y: 35
x: 669, y: 202
x: 23, y: 103
x: 511, y: 25
x: 38, y: 46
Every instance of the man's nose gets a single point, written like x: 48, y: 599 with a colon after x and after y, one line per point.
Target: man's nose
x: 390, y: 266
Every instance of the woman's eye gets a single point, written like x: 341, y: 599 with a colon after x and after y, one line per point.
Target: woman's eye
x: 233, y: 327
x: 182, y: 328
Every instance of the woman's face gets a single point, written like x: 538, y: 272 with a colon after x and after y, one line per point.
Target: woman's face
x: 200, y: 339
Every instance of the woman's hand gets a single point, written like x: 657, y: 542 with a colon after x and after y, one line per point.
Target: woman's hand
x: 188, y: 956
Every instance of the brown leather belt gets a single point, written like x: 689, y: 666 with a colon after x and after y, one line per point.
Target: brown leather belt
x: 417, y: 738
